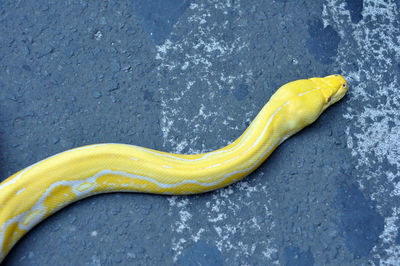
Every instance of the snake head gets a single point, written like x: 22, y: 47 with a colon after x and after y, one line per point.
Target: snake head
x: 333, y: 89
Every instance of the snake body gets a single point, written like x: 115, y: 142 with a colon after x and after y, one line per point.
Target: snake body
x: 34, y: 193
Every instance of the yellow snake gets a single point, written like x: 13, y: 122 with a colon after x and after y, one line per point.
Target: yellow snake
x: 34, y: 193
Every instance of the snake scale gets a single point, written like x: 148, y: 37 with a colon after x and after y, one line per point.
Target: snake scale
x: 36, y: 192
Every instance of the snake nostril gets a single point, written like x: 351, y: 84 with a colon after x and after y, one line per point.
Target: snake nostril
x: 329, y: 99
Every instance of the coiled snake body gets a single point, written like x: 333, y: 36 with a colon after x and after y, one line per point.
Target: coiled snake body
x: 34, y: 193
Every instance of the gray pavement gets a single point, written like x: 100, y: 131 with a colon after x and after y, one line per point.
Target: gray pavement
x: 188, y: 77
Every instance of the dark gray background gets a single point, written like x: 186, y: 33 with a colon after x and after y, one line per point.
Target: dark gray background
x: 188, y: 77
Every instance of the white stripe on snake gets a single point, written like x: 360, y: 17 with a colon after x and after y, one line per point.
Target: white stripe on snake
x: 34, y: 193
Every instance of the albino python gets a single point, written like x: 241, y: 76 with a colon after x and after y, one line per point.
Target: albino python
x: 34, y: 193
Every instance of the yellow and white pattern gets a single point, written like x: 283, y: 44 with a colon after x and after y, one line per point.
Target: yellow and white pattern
x: 34, y: 193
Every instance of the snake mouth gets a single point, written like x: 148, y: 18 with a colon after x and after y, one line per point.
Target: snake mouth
x: 335, y: 89
x: 340, y: 92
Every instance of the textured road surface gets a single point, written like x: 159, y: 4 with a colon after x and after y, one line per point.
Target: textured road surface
x: 188, y: 77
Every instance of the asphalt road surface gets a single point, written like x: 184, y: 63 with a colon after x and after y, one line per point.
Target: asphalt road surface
x: 188, y: 77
